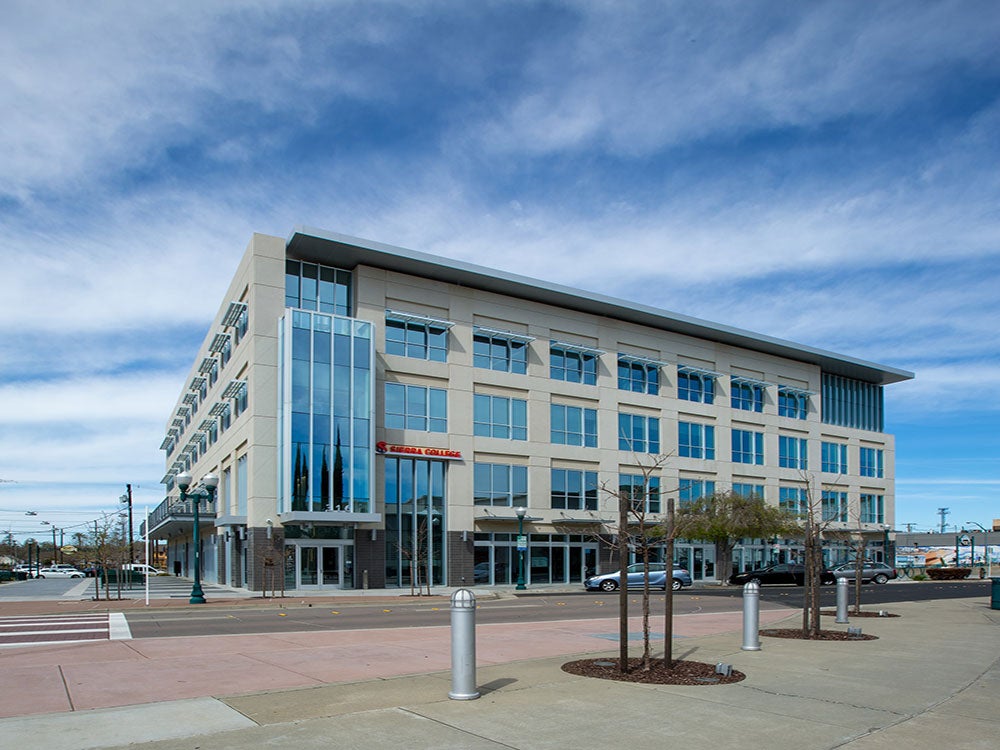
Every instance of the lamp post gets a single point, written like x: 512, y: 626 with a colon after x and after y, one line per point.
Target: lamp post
x: 521, y: 546
x: 209, y: 482
x: 986, y: 547
x: 127, y: 499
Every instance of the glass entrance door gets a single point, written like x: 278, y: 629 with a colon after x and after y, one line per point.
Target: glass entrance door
x: 322, y: 565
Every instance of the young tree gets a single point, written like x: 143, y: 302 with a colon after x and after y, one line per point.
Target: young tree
x: 726, y: 517
x: 638, y: 529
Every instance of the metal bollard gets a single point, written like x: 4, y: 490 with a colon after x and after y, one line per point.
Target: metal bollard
x: 842, y: 584
x: 751, y: 617
x: 463, y: 646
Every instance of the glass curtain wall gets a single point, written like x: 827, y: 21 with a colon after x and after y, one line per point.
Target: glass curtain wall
x: 415, y: 522
x: 325, y: 421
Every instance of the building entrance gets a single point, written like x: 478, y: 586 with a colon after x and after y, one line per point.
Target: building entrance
x: 314, y: 565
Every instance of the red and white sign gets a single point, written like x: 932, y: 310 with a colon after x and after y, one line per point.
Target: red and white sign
x: 415, y: 450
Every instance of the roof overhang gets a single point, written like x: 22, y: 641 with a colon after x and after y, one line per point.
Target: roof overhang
x: 343, y: 251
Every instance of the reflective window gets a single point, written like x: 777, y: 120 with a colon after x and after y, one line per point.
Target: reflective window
x: 496, y: 416
x: 693, y: 385
x: 695, y: 440
x: 747, y: 395
x: 572, y: 366
x: 638, y: 377
x: 574, y: 425
x: 574, y: 490
x: 793, y: 452
x: 834, y: 458
x: 748, y: 447
x: 497, y: 352
x: 416, y: 339
x: 314, y: 287
x: 795, y: 500
x: 872, y: 462
x: 638, y: 433
x: 693, y: 489
x: 748, y: 490
x: 872, y: 508
x: 414, y: 407
x: 642, y: 493
x: 500, y: 484
x: 834, y: 506
x: 793, y: 403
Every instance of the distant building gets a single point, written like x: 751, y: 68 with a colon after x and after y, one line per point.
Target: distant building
x: 372, y: 411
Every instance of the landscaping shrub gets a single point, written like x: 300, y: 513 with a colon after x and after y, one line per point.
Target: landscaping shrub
x: 948, y: 574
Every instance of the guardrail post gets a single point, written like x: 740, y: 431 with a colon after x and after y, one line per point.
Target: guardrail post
x: 842, y: 584
x: 751, y: 617
x: 463, y: 646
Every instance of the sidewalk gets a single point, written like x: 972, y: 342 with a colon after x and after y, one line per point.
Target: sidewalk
x: 932, y: 679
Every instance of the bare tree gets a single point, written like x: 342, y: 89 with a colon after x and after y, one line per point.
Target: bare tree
x: 638, y: 529
x: 816, y: 520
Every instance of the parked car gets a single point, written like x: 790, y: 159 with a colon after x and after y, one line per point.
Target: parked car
x: 875, y: 572
x: 144, y: 569
x: 779, y: 573
x: 60, y: 571
x: 23, y: 571
x: 634, y: 578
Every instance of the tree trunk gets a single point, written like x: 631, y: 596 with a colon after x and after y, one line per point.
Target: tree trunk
x: 622, y: 586
x: 668, y: 617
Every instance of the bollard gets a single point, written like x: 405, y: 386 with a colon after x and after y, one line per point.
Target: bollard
x: 463, y: 646
x: 842, y: 584
x: 751, y: 617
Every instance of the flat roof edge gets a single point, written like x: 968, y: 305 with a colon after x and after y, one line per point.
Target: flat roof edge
x: 304, y: 239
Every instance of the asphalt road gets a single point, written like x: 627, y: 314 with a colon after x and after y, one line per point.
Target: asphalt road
x: 302, y: 615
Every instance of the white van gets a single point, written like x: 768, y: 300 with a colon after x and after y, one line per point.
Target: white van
x: 148, y: 570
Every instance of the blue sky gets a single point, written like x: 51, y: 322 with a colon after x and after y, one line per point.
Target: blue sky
x: 825, y: 172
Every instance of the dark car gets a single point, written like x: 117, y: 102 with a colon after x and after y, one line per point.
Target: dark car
x: 875, y: 572
x: 780, y: 573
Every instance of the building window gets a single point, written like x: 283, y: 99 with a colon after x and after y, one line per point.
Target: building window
x: 696, y: 440
x: 793, y: 402
x: 500, y: 484
x: 573, y: 364
x: 241, y: 485
x: 795, y: 500
x: 852, y: 403
x: 793, y: 452
x: 872, y: 508
x: 694, y: 489
x: 695, y: 385
x: 638, y: 376
x: 574, y: 425
x: 641, y: 493
x: 500, y: 351
x: 748, y: 447
x: 638, y: 433
x: 747, y: 395
x: 313, y: 287
x: 574, y: 490
x: 417, y: 339
x: 748, y: 490
x: 834, y: 506
x: 414, y: 407
x: 834, y: 458
x: 872, y: 462
x: 495, y: 416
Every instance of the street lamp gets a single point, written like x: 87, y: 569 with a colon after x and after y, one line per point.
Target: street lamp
x: 521, y: 546
x: 986, y: 547
x: 208, y: 484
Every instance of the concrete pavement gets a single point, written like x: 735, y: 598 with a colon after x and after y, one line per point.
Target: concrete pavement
x: 931, y: 679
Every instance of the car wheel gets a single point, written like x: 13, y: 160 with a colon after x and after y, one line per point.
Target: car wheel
x: 754, y: 580
x: 609, y: 585
x: 880, y: 578
x: 676, y: 584
x: 41, y: 576
x: 76, y: 576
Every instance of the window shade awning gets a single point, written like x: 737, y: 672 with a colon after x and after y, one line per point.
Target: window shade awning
x: 692, y: 370
x: 500, y: 333
x: 235, y: 389
x: 640, y: 360
x: 219, y: 343
x: 233, y: 313
x: 577, y: 348
x: 405, y: 317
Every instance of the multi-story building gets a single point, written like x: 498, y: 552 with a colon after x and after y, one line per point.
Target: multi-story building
x: 376, y: 415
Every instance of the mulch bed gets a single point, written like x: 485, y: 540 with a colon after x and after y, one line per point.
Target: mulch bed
x: 823, y: 635
x: 862, y: 613
x: 681, y: 673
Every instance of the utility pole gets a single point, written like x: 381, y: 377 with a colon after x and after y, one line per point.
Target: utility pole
x: 127, y: 498
x: 943, y: 512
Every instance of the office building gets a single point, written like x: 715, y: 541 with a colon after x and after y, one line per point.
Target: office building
x: 376, y: 415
